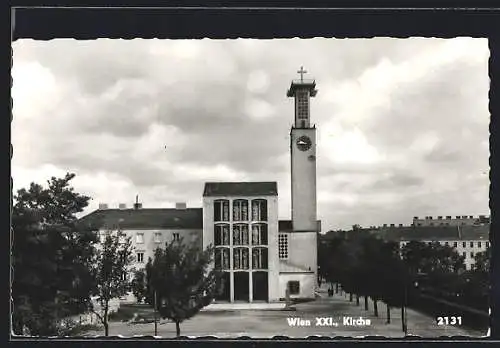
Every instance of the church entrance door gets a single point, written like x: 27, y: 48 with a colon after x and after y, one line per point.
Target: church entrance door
x: 260, y: 286
x: 241, y: 286
x: 224, y: 295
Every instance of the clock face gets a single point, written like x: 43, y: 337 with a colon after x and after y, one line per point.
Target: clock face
x: 304, y: 143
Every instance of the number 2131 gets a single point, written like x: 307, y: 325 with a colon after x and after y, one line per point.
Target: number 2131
x: 449, y: 321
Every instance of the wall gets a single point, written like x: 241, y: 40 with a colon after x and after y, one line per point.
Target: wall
x: 150, y: 245
x: 302, y: 249
x: 307, y: 284
x: 303, y: 171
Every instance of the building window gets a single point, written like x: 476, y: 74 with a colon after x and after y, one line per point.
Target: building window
x: 259, y: 234
x: 429, y: 243
x: 283, y: 246
x: 302, y: 105
x: 464, y: 254
x: 464, y: 245
x: 176, y: 236
x: 221, y: 210
x: 157, y: 237
x: 222, y: 258
x: 479, y: 244
x: 240, y: 258
x: 140, y: 257
x: 259, y: 258
x: 122, y: 237
x: 472, y: 244
x: 446, y: 243
x: 487, y: 244
x: 139, y: 238
x: 240, y: 210
x: 240, y: 234
x: 471, y: 254
x: 455, y: 244
x: 259, y: 210
x: 124, y: 276
x: 294, y: 287
x: 221, y: 235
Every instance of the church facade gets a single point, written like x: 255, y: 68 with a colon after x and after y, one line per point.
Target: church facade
x: 262, y: 258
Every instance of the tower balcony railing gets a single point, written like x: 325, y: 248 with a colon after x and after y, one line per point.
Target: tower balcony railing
x: 304, y: 81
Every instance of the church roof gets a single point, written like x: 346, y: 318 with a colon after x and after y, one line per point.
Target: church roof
x: 189, y: 218
x: 240, y: 189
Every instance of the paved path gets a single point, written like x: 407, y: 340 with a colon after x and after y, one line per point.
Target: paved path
x: 266, y: 324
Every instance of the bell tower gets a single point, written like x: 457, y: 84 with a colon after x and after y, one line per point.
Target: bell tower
x: 303, y: 156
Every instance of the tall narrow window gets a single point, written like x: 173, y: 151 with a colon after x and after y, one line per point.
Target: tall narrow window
x: 221, y: 234
x: 259, y: 234
x: 283, y: 246
x: 259, y: 258
x: 240, y: 234
x: 259, y: 210
x: 176, y: 236
x: 240, y: 258
x: 221, y: 210
x: 140, y: 257
x: 240, y: 210
x: 222, y: 258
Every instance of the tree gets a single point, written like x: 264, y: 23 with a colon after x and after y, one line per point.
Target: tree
x: 110, y: 272
x: 51, y: 255
x: 139, y: 285
x: 482, y: 261
x: 182, y: 281
x: 148, y: 270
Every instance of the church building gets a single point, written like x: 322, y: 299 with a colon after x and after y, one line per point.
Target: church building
x: 261, y: 256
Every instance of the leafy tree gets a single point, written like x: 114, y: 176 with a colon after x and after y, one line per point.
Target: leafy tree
x: 393, y: 280
x: 139, y: 285
x: 51, y: 255
x: 182, y: 281
x: 482, y: 261
x: 148, y: 270
x: 330, y: 260
x: 110, y: 272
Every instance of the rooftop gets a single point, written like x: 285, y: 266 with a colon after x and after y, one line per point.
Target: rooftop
x: 427, y: 233
x: 240, y: 189
x: 189, y: 218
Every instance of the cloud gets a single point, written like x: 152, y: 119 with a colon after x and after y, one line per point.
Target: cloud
x: 402, y: 124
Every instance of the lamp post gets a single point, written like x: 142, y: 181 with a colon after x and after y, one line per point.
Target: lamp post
x: 405, y: 306
x: 154, y: 305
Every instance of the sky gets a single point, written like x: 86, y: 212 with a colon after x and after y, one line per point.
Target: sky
x: 402, y: 124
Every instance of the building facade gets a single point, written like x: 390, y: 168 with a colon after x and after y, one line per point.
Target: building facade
x: 262, y: 258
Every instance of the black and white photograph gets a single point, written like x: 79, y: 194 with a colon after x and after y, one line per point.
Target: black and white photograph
x: 250, y: 188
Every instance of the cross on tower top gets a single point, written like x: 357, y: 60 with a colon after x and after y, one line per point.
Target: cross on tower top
x: 302, y: 72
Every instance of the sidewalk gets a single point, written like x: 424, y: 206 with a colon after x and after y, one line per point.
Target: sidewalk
x: 419, y: 324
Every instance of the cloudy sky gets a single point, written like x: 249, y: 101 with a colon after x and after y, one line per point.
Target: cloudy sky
x: 402, y: 123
